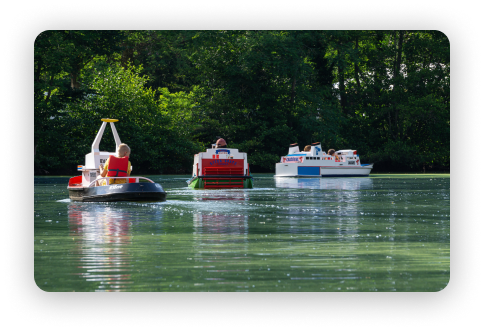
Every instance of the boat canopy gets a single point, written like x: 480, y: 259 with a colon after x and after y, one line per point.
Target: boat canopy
x: 346, y: 152
x: 96, y: 157
x: 293, y: 149
x: 316, y: 149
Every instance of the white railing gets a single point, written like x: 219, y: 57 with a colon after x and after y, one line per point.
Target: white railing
x: 137, y: 178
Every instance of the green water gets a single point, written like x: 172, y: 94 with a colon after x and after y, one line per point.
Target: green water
x: 381, y: 233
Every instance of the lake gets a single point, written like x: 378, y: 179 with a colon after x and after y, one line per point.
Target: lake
x: 378, y: 233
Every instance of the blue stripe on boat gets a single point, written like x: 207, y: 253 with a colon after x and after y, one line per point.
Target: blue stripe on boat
x: 304, y: 170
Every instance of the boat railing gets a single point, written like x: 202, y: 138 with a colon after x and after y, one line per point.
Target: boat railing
x: 131, y: 179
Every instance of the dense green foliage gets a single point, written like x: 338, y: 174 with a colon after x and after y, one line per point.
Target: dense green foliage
x: 384, y: 93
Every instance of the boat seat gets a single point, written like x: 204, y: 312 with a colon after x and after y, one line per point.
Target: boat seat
x: 75, y: 181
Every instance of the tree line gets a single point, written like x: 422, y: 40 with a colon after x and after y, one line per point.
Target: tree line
x: 383, y: 93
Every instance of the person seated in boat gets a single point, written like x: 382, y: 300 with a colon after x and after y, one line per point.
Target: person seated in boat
x: 121, y: 168
x: 307, y: 148
x: 331, y: 152
x: 221, y: 143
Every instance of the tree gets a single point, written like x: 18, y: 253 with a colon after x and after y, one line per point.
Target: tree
x: 258, y: 86
x: 164, y: 56
x: 59, y: 56
x: 396, y: 92
x: 149, y: 125
x: 384, y: 93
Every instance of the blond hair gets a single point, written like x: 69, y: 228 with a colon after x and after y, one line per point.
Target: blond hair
x: 123, y: 147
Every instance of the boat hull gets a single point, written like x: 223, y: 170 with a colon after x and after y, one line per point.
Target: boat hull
x: 143, y: 191
x: 221, y: 182
x: 296, y: 170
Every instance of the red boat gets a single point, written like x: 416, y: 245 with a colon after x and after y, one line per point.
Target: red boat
x: 221, y: 168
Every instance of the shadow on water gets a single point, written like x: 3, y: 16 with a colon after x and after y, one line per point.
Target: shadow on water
x: 324, y: 183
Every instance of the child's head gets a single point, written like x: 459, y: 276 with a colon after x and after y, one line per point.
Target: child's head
x: 221, y: 143
x: 331, y: 152
x: 123, y: 150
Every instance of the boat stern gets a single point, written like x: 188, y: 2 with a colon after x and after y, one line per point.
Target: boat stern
x: 221, y: 168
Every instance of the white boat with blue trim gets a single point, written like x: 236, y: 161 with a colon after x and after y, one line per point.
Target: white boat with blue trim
x: 317, y: 163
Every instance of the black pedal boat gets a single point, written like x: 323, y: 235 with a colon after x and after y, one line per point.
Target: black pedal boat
x: 132, y: 191
x: 91, y: 187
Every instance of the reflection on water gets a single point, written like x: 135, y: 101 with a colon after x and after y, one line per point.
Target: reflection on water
x: 220, y: 195
x: 223, y: 224
x: 221, y: 239
x: 317, y: 197
x: 102, y: 236
x: 324, y: 183
x: 386, y: 233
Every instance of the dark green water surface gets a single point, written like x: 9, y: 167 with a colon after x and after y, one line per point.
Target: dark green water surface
x: 380, y: 233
